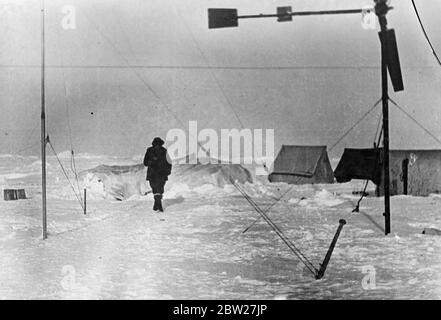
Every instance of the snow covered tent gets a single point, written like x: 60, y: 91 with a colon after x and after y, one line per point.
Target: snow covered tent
x: 302, y: 165
x: 210, y: 171
x: 123, y: 182
x: 413, y: 172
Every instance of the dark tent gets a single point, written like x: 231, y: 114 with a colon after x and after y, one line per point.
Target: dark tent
x: 302, y: 165
x: 362, y: 164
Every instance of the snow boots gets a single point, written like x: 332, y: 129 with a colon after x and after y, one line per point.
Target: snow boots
x: 157, y: 206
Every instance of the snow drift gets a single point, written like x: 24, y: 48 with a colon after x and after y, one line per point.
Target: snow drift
x: 124, y: 181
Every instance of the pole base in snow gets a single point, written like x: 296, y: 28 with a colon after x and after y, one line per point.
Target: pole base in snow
x: 324, y: 265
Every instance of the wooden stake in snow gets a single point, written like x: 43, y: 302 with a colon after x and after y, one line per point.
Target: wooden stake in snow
x: 85, y: 201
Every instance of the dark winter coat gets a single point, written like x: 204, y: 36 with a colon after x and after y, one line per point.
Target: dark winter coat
x: 158, y: 163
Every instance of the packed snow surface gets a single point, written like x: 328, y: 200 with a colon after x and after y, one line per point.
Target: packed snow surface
x: 122, y: 249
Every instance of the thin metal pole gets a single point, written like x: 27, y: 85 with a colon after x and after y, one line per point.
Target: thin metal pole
x: 43, y: 126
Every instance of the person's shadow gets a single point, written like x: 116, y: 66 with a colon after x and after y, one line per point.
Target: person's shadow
x: 172, y: 202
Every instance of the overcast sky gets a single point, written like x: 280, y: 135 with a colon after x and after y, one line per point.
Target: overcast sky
x: 309, y: 79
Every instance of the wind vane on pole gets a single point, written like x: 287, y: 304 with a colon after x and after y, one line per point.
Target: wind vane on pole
x: 390, y: 63
x: 225, y: 18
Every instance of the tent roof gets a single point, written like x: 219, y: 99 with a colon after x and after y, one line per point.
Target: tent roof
x: 300, y: 160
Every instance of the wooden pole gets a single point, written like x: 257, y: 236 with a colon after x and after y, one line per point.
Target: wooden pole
x: 43, y: 126
x: 385, y: 141
x: 85, y: 201
x: 381, y: 10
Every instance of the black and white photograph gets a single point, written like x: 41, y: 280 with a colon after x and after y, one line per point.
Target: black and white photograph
x: 220, y: 150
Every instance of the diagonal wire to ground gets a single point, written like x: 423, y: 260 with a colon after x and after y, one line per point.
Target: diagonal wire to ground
x: 65, y: 173
x: 272, y: 205
x: 267, y: 210
x: 69, y: 126
x: 140, y: 77
x: 309, y: 265
x: 216, y: 80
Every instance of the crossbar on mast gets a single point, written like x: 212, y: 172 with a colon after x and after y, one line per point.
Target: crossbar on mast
x: 303, y: 13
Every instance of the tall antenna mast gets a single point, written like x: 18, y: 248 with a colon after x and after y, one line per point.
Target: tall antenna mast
x: 390, y: 64
x: 43, y: 126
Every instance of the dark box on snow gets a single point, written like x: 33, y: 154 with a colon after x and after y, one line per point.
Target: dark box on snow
x: 14, y: 194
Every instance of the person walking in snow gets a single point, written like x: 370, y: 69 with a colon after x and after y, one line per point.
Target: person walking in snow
x: 159, y: 167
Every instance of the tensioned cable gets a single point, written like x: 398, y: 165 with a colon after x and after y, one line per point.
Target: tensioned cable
x: 140, y: 77
x: 128, y: 47
x: 285, y: 239
x: 378, y: 127
x: 267, y: 210
x: 355, y: 124
x: 216, y: 80
x: 363, y: 193
x: 425, y: 33
x: 65, y: 173
x: 416, y: 121
x: 72, y: 155
x: 69, y: 127
x: 277, y: 230
x: 66, y: 103
x: 257, y: 208
x: 272, y: 205
x: 72, y: 152
x: 73, y: 167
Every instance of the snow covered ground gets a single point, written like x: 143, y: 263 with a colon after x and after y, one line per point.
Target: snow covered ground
x: 122, y: 250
